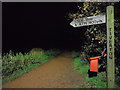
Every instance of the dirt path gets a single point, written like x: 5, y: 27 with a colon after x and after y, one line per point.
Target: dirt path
x: 57, y: 73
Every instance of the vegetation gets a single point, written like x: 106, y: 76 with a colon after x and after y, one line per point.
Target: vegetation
x: 15, y: 65
x: 96, y: 39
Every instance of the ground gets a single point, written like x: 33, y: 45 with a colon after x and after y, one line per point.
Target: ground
x: 57, y: 73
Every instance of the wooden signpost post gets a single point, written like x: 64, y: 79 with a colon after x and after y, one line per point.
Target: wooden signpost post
x: 93, y: 20
x: 110, y: 47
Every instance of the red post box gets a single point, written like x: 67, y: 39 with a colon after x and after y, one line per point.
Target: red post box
x: 94, y: 62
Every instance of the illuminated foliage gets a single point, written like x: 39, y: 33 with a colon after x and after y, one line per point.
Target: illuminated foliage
x: 96, y: 34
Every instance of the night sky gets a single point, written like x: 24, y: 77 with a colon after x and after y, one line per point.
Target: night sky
x: 39, y: 25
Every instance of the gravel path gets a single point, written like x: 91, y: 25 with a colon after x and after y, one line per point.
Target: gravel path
x: 57, y: 73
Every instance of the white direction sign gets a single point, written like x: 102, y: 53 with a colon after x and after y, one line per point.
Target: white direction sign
x: 99, y: 19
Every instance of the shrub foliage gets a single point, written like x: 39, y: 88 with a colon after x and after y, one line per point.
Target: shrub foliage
x: 15, y: 63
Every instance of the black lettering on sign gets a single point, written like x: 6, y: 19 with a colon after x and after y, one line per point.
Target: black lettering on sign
x: 110, y: 48
x: 81, y: 20
x: 100, y: 21
x: 79, y: 23
x: 110, y: 44
x: 110, y: 57
x: 110, y: 37
x: 90, y: 22
x: 96, y: 21
x: 85, y: 22
x: 110, y: 31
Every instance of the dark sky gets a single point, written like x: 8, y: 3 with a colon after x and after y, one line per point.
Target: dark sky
x: 39, y: 25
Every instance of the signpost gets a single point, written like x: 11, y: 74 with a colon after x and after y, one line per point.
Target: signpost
x: 99, y: 19
x: 110, y: 47
x: 93, y: 20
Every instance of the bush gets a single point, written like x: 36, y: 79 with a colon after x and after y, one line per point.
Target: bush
x: 13, y: 64
x: 37, y: 51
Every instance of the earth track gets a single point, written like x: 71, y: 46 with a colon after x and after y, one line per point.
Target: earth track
x: 56, y: 73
